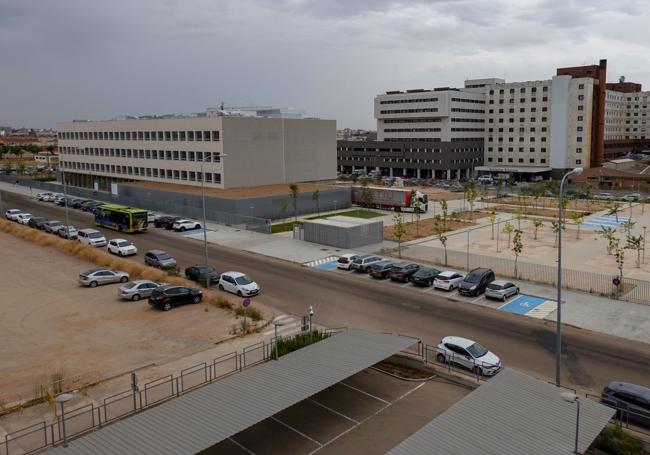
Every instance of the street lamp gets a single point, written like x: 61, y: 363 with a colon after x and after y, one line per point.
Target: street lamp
x: 311, y: 315
x: 62, y: 399
x: 205, y: 228
x: 644, y: 229
x: 558, y: 334
x: 276, y: 324
x: 573, y: 398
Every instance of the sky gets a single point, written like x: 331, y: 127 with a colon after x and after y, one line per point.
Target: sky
x: 85, y: 59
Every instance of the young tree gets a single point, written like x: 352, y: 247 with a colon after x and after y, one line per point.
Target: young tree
x: 620, y: 261
x: 564, y: 201
x: 508, y: 228
x: 635, y: 243
x: 608, y: 234
x: 20, y: 169
x: 315, y: 197
x: 439, y: 230
x: 470, y: 196
x: 366, y: 195
x: 8, y: 168
x: 628, y: 225
x: 555, y: 227
x: 614, y: 211
x: 445, y: 213
x: 497, y: 186
x: 284, y: 206
x: 538, y: 224
x: 417, y: 210
x: 519, y: 214
x: 579, y: 219
x: 517, y: 246
x: 398, y: 231
x: 493, y: 219
x: 293, y: 188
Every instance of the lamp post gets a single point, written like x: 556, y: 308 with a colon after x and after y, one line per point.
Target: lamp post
x: 311, y: 315
x: 62, y: 399
x: 65, y: 195
x: 205, y: 228
x: 573, y: 398
x: 558, y: 334
x: 277, y: 324
x: 644, y: 228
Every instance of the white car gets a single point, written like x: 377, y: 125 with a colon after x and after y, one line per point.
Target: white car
x: 12, y: 214
x: 68, y: 232
x: 468, y: 354
x: 23, y: 218
x: 605, y: 197
x: 122, y: 247
x: 345, y: 261
x: 448, y: 280
x: 238, y: 283
x: 184, y: 225
x: 44, y: 196
x: 91, y: 237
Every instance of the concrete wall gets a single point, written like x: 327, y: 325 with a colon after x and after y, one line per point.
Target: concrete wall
x: 344, y: 236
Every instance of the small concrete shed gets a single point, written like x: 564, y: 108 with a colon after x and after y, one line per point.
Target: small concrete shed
x: 344, y: 231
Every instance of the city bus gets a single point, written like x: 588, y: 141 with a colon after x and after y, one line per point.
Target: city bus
x: 121, y: 218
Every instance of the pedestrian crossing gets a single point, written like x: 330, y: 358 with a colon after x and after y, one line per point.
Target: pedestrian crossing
x: 605, y: 221
x: 287, y: 325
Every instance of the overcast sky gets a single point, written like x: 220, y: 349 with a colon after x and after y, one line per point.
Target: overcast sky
x: 74, y: 59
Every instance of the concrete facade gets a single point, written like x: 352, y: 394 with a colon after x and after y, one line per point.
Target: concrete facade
x: 231, y: 151
x: 344, y: 231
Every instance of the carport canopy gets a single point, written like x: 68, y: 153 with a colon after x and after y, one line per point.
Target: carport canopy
x: 202, y: 418
x: 512, y: 414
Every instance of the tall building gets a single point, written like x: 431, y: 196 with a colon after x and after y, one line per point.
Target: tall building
x: 222, y: 151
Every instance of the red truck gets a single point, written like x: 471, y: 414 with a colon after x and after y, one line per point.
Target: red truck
x: 399, y: 200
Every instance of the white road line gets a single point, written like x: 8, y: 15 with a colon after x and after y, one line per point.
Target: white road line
x: 404, y: 285
x: 333, y: 411
x: 365, y: 393
x: 477, y: 299
x: 282, y: 317
x: 245, y: 449
x: 430, y: 288
x: 451, y: 294
x: 297, y: 431
x: 282, y: 329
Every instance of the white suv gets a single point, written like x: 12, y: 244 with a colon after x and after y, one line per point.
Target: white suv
x: 12, y: 214
x: 183, y: 225
x: 91, y: 237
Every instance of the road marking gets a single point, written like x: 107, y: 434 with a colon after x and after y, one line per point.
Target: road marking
x: 245, y: 449
x: 477, y: 299
x: 543, y: 310
x: 333, y: 411
x: 365, y: 393
x: 297, y: 431
x: 430, y: 288
x: 404, y: 285
x: 321, y: 261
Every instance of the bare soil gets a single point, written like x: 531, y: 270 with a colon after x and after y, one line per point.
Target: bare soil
x: 530, y: 211
x: 547, y: 202
x: 234, y: 193
x: 426, y: 228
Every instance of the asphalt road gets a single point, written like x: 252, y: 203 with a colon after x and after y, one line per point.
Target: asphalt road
x: 590, y: 360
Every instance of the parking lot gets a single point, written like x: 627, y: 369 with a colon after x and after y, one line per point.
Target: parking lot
x: 370, y: 412
x: 53, y: 328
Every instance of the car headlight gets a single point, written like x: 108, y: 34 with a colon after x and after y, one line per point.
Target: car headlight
x: 472, y: 288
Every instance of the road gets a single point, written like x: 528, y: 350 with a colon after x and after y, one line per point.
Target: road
x: 590, y: 360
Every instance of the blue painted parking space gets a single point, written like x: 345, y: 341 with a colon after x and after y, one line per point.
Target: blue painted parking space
x: 330, y: 265
x: 191, y: 232
x: 605, y: 220
x: 522, y: 304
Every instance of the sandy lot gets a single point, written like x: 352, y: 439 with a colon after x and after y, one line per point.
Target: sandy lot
x: 52, y: 327
x: 235, y: 193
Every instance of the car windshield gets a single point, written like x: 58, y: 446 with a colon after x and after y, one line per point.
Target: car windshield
x: 164, y: 256
x: 477, y: 350
x: 495, y: 287
x: 473, y: 278
x: 425, y: 272
x: 95, y: 235
x: 124, y: 243
x: 358, y: 261
x: 243, y: 280
x: 129, y: 285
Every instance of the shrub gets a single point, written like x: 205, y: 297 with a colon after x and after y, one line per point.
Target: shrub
x: 300, y: 340
x: 253, y: 313
x: 614, y: 441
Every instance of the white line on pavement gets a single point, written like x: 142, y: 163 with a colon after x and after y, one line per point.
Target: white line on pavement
x: 365, y: 393
x: 297, y: 431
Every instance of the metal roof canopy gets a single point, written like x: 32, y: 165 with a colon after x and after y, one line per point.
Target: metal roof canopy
x: 204, y: 417
x: 510, y: 415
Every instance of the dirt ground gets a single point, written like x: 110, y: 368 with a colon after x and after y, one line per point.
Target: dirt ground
x: 552, y: 213
x: 53, y: 328
x: 234, y: 193
x: 545, y: 202
x: 425, y: 228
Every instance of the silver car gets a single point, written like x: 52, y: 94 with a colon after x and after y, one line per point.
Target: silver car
x: 136, y: 290
x: 95, y: 277
x: 68, y: 232
x: 501, y: 290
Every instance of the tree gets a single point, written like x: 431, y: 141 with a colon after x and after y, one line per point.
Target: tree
x: 615, y: 210
x: 497, y: 186
x: 519, y: 214
x: 586, y: 191
x: 538, y: 224
x: 517, y: 246
x: 284, y: 206
x: 398, y: 231
x: 8, y: 168
x: 508, y: 228
x: 564, y: 201
x: 578, y: 218
x: 445, y: 213
x: 293, y: 188
x: 628, y: 225
x: 417, y: 209
x: 608, y: 234
x: 555, y: 227
x: 620, y: 260
x: 635, y: 243
x: 366, y: 194
x: 440, y: 232
x: 315, y: 197
x: 493, y: 218
x: 20, y: 169
x: 470, y: 196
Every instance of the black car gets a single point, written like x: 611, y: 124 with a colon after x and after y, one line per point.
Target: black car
x: 85, y: 205
x: 380, y: 269
x: 76, y: 204
x: 424, y: 276
x: 169, y: 295
x: 199, y: 273
x: 631, y: 400
x: 402, y: 271
x: 476, y: 281
x: 166, y: 222
x: 92, y: 206
x: 37, y: 222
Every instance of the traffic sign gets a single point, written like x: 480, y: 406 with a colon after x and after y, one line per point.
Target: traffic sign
x: 246, y: 302
x: 616, y: 281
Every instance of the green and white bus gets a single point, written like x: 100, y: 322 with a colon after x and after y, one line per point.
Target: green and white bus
x: 121, y: 218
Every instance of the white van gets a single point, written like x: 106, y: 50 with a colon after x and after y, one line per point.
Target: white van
x: 91, y: 237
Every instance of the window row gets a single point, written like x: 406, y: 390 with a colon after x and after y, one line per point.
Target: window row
x: 467, y: 100
x: 408, y: 111
x: 200, y: 136
x: 522, y: 100
x: 413, y: 100
x: 521, y: 120
x: 521, y: 90
x: 521, y: 149
x: 170, y: 174
x: 521, y: 139
x: 521, y: 110
x: 412, y: 130
x: 532, y: 129
x: 413, y: 120
x: 471, y: 111
x: 467, y: 120
x: 171, y: 155
x: 520, y: 160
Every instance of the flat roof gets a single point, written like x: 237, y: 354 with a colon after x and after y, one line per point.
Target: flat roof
x: 512, y: 414
x: 344, y: 221
x: 521, y: 169
x: 204, y: 417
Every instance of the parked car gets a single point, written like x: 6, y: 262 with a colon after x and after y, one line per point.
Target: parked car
x: 631, y: 400
x: 95, y: 277
x: 448, y: 280
x: 183, y: 224
x: 12, y: 214
x: 91, y: 237
x: 68, y: 232
x: 632, y: 197
x: 76, y: 204
x: 381, y: 269
x: 403, y: 271
x: 605, y: 196
x: 23, y: 218
x: 53, y: 226
x: 166, y: 222
x: 93, y: 206
x: 37, y: 222
x: 170, y: 295
x: 501, y: 290
x: 160, y: 259
x: 85, y: 205
x: 424, y: 276
x: 238, y: 283
x: 468, y: 354
x: 58, y: 199
x: 136, y: 290
x: 201, y: 273
x: 45, y: 197
x: 122, y: 247
x: 363, y: 263
x: 345, y: 261
x: 476, y: 281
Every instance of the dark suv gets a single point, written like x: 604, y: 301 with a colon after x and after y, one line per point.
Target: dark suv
x: 402, y: 271
x: 200, y: 273
x: 380, y: 269
x: 631, y: 400
x: 166, y: 222
x: 476, y: 281
x: 37, y: 222
x: 424, y: 276
x: 170, y: 295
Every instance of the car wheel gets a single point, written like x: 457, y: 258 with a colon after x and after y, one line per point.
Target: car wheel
x: 167, y: 306
x: 197, y: 299
x: 135, y: 297
x: 124, y: 279
x: 239, y: 294
x: 517, y: 291
x: 119, y: 253
x: 198, y: 226
x: 220, y: 287
x: 93, y: 284
x: 503, y: 299
x: 478, y: 371
x: 182, y: 229
x: 441, y: 358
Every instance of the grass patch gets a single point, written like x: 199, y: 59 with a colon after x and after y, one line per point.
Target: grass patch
x: 284, y: 227
x: 298, y: 341
x: 253, y: 313
x: 358, y: 213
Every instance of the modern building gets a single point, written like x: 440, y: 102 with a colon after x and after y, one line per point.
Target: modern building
x: 228, y: 151
x: 626, y: 119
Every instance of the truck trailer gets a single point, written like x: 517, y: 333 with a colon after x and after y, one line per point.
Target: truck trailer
x: 399, y: 200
